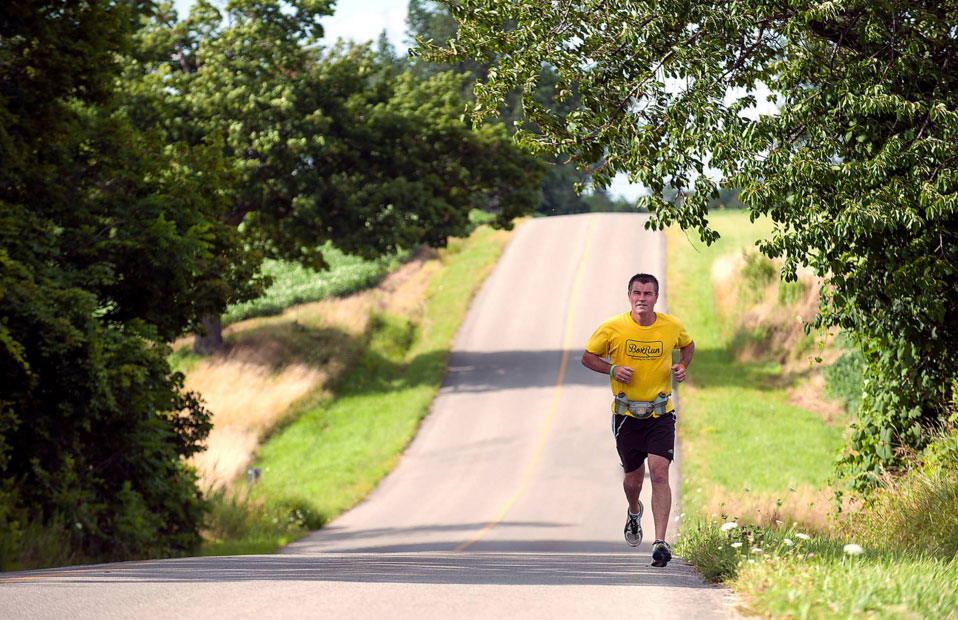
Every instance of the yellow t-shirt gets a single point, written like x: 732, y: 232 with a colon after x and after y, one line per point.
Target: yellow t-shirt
x: 648, y: 350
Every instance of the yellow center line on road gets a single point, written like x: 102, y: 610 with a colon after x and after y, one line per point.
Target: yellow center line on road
x: 547, y: 424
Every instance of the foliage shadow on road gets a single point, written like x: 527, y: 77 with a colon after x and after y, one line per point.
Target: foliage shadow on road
x: 466, y: 371
x: 475, y: 568
x: 479, y: 371
x: 335, y: 534
x: 333, y: 539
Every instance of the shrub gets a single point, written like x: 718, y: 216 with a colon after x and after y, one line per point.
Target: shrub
x: 843, y: 379
x: 758, y: 273
x: 790, y: 293
x: 916, y: 512
x: 237, y: 522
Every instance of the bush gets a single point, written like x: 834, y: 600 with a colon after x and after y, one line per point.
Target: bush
x: 843, y: 379
x: 477, y: 218
x: 915, y: 512
x: 758, y: 273
x: 294, y: 284
x: 11, y: 526
x: 238, y: 524
x: 790, y: 293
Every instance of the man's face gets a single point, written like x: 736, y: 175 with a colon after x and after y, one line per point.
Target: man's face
x: 642, y: 297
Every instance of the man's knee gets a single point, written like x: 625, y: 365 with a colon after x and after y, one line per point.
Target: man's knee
x: 659, y: 471
x: 633, y: 479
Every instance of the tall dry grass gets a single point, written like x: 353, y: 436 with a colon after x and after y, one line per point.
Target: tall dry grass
x: 772, y: 327
x: 916, y: 510
x: 271, y: 365
x: 246, y: 400
x: 775, y: 312
x: 803, y: 504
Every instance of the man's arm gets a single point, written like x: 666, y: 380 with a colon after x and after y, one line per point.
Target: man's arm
x: 685, y: 358
x: 622, y: 374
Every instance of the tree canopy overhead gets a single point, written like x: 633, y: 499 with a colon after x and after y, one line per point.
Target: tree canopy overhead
x: 857, y: 169
x: 432, y: 21
x: 324, y: 143
x: 327, y: 143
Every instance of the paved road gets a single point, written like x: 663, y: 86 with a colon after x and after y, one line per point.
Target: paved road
x: 507, y: 504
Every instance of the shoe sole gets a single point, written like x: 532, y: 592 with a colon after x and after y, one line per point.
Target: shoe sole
x: 661, y: 559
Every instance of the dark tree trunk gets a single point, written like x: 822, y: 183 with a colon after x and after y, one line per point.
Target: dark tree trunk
x: 213, y: 340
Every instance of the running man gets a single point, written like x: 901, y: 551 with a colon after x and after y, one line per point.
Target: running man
x: 639, y: 345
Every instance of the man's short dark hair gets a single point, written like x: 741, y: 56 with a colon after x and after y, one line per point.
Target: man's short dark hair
x: 644, y: 278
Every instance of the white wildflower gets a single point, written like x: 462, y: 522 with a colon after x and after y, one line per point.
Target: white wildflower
x: 736, y: 545
x: 853, y: 549
x: 731, y: 525
x: 756, y: 550
x: 802, y: 536
x: 788, y: 542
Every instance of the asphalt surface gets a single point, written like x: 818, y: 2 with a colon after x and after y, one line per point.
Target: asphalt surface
x: 507, y: 504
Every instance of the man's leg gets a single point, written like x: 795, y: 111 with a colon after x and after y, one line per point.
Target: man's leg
x: 632, y: 484
x: 633, y: 523
x: 661, y: 493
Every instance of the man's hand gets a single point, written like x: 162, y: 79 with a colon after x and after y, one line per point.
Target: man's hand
x: 622, y: 374
x: 685, y: 356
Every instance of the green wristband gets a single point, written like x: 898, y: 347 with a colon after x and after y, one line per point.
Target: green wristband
x: 611, y: 369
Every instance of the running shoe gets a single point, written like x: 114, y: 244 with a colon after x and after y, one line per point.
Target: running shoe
x: 633, y: 527
x: 661, y: 553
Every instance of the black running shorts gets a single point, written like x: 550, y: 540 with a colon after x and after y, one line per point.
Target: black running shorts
x: 636, y: 439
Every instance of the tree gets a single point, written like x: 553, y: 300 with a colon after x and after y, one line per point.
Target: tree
x: 330, y: 144
x: 599, y: 200
x: 110, y: 248
x: 429, y: 20
x: 856, y: 169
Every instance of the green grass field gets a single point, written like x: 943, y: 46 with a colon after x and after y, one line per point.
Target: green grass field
x: 294, y: 284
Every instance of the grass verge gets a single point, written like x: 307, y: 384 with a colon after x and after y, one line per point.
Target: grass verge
x: 335, y: 451
x: 785, y: 573
x: 747, y: 451
x: 754, y: 472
